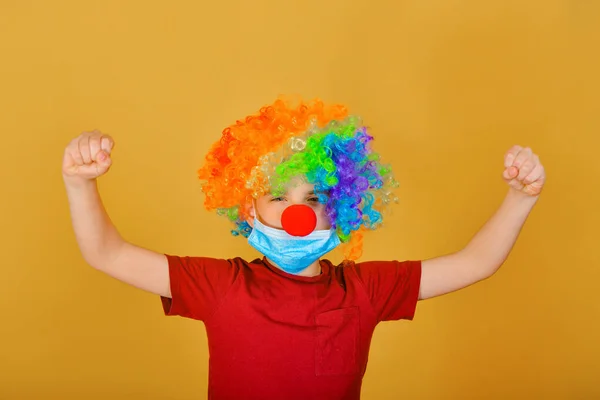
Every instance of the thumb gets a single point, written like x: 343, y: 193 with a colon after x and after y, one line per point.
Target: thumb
x: 104, y: 158
x: 510, y: 173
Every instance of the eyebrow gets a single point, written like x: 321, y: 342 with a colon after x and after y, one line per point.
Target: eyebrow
x: 312, y: 192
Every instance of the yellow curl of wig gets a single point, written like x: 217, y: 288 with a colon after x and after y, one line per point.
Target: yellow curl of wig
x: 239, y: 166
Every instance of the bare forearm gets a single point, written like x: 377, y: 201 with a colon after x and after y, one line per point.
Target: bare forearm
x: 98, y: 239
x: 492, y: 244
x: 483, y: 255
x: 490, y: 247
x: 86, y: 158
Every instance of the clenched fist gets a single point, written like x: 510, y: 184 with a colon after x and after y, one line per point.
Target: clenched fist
x: 87, y: 157
x: 523, y: 171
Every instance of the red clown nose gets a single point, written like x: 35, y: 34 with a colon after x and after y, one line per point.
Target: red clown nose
x: 298, y: 220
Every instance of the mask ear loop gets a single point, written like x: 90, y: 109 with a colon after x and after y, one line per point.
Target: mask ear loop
x: 256, y: 214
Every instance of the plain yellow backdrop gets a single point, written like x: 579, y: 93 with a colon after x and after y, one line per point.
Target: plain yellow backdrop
x: 447, y: 86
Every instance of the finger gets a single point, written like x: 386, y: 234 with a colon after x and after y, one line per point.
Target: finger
x: 537, y: 175
x: 74, y: 153
x: 107, y: 144
x: 510, y: 155
x: 94, y: 144
x: 527, y: 167
x: 522, y: 157
x: 84, y: 148
x: 516, y: 184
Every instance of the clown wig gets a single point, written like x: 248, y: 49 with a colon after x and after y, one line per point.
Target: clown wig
x: 322, y: 144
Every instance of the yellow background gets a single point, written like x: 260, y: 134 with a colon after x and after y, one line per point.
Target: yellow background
x: 446, y: 86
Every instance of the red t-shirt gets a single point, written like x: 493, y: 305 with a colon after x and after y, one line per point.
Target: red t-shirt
x: 277, y: 336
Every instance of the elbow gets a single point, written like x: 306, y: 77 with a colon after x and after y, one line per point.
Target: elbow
x: 479, y: 268
x: 102, y: 257
x: 95, y: 261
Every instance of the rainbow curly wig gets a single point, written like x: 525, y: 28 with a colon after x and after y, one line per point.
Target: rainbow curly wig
x: 322, y: 144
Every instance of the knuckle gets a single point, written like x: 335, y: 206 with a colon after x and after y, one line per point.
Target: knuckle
x: 96, y: 134
x: 74, y: 143
x: 95, y: 141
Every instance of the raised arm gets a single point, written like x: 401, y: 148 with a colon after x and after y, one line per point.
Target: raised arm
x: 86, y: 158
x: 491, y: 245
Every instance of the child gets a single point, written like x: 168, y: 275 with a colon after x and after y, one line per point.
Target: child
x: 296, y: 181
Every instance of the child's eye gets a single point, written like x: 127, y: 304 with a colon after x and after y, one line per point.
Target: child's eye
x: 321, y: 198
x: 277, y: 199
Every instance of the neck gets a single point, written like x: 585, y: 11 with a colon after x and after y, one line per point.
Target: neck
x: 313, y: 269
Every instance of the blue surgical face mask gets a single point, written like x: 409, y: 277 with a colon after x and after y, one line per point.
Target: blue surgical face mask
x: 292, y: 253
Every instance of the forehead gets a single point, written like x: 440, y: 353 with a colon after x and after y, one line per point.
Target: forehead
x: 296, y: 188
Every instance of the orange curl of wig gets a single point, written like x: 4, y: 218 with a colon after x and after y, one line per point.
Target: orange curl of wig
x: 230, y: 161
x: 234, y: 174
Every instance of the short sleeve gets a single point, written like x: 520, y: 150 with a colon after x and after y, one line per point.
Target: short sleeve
x: 392, y: 287
x: 198, y: 285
